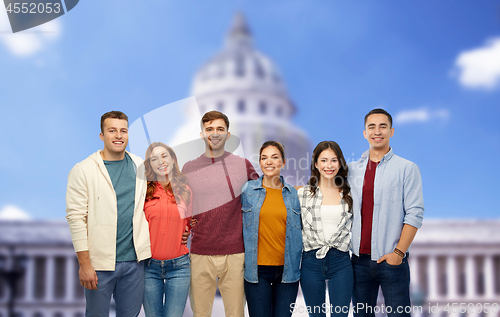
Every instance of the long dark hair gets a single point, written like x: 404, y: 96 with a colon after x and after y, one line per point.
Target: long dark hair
x: 178, y: 184
x: 340, y: 178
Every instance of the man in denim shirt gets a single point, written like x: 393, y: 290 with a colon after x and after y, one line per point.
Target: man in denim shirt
x: 387, y: 212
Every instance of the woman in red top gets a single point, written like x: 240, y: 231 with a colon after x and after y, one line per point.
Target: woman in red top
x: 168, y: 210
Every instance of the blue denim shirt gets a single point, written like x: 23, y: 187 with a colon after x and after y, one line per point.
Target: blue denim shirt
x: 397, y: 200
x: 252, y: 198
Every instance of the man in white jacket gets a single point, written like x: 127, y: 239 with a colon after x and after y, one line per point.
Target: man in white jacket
x: 104, y: 206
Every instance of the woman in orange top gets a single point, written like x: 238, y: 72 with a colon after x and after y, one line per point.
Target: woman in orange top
x: 168, y: 209
x: 273, y: 238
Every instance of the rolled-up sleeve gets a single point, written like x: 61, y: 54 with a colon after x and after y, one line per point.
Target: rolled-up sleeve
x: 413, y: 198
x: 77, y: 200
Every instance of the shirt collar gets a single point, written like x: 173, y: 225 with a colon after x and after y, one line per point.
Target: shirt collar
x: 386, y: 157
x: 282, y: 180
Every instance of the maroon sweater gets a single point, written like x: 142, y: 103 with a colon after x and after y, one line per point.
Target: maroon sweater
x: 216, y: 184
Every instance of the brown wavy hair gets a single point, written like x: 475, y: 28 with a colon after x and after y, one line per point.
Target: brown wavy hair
x: 340, y: 178
x: 276, y: 144
x: 178, y: 184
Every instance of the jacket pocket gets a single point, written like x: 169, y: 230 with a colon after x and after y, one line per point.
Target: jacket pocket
x: 247, y: 215
x: 296, y: 218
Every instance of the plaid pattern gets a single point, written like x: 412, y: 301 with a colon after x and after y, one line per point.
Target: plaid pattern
x: 312, y: 228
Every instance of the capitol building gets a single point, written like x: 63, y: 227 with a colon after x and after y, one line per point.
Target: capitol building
x: 454, y: 264
x: 451, y: 261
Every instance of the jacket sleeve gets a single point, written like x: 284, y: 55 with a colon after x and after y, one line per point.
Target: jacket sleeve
x: 77, y: 200
x: 413, y: 198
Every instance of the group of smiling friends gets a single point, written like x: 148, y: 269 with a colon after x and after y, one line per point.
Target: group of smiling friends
x: 255, y: 238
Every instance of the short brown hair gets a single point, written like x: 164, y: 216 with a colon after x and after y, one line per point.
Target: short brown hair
x: 379, y: 111
x: 214, y: 115
x: 113, y: 115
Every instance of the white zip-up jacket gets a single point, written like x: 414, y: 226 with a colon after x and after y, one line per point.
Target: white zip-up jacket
x: 91, y: 208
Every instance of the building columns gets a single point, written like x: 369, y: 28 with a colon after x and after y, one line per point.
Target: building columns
x: 49, y: 278
x: 489, y: 276
x: 470, y: 277
x: 29, y: 280
x: 414, y: 272
x: 69, y: 286
x: 433, y: 277
x: 451, y: 277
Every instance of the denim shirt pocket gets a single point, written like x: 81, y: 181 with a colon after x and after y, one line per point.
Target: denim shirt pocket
x: 247, y: 215
x: 307, y: 217
x: 296, y: 218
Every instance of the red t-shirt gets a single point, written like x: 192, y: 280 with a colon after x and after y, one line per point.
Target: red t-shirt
x: 216, y: 185
x: 167, y: 221
x: 367, y: 208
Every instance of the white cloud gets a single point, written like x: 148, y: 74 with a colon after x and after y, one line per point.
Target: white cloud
x: 421, y: 115
x: 480, y: 67
x: 11, y: 212
x: 29, y: 42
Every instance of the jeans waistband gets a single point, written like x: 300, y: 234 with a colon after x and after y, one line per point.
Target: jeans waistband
x: 165, y: 262
x: 369, y: 256
x: 363, y: 256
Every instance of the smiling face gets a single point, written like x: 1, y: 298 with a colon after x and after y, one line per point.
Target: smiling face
x: 161, y: 162
x: 271, y: 161
x: 378, y: 131
x: 215, y: 135
x: 327, y: 164
x: 115, y: 138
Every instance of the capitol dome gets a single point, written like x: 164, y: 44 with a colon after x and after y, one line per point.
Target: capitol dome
x: 244, y: 84
x: 240, y: 68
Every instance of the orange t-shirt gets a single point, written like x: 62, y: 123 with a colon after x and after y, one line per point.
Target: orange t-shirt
x: 272, y: 229
x: 166, y: 225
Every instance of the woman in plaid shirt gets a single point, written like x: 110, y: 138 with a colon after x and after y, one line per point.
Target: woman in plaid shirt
x: 326, y: 205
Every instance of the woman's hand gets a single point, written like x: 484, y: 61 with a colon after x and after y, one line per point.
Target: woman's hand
x: 193, y: 222
x: 185, y: 236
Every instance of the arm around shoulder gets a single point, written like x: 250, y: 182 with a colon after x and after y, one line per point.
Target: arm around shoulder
x: 251, y: 172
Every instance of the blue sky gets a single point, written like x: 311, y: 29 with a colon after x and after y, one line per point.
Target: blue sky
x: 435, y: 65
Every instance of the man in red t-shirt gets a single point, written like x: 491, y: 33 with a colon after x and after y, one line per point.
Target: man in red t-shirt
x: 217, y: 250
x: 388, y: 209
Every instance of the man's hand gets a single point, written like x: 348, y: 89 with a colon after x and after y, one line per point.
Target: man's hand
x: 88, y: 276
x: 391, y: 258
x: 185, y: 236
x: 407, y: 235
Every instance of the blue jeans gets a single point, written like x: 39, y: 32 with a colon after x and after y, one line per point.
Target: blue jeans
x: 393, y: 279
x: 166, y: 286
x: 269, y: 297
x: 335, y: 268
x: 125, y: 283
